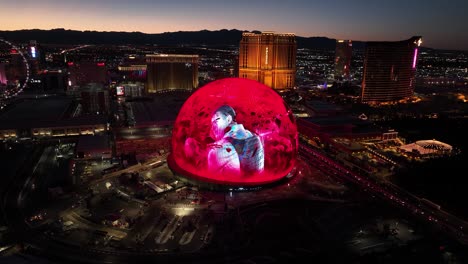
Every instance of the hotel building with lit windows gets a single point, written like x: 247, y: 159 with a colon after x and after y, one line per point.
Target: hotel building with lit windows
x: 171, y: 72
x: 389, y: 70
x: 268, y: 58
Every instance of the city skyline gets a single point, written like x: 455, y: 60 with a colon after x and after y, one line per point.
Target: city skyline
x: 229, y: 147
x: 439, y: 24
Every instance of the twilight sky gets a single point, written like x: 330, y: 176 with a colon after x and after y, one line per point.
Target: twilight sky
x: 441, y: 23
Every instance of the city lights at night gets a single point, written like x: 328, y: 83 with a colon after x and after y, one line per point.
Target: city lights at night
x: 233, y: 132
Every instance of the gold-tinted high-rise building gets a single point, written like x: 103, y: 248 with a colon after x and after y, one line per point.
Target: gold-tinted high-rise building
x: 268, y: 58
x: 389, y: 70
x: 166, y: 72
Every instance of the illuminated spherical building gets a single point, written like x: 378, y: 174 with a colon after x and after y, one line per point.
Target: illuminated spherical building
x: 234, y: 132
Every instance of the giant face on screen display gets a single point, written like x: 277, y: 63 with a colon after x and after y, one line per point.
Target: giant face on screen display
x: 236, y: 132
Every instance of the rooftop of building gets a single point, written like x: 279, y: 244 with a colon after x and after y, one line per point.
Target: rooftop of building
x: 268, y: 33
x: 358, y: 126
x: 323, y: 106
x: 335, y: 120
x: 142, y: 133
x: 161, y: 108
x: 417, y: 40
x: 87, y: 143
x: 132, y: 67
x: 45, y: 112
x: 41, y: 108
x: 172, y: 58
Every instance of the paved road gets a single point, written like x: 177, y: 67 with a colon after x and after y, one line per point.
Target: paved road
x: 154, y: 162
x: 450, y: 224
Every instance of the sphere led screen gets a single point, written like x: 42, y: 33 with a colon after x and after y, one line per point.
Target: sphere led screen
x: 236, y: 132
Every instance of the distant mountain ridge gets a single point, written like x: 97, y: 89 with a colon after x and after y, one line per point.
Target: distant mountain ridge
x: 206, y: 37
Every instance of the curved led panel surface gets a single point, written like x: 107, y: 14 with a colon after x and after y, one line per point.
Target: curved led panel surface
x: 235, y: 132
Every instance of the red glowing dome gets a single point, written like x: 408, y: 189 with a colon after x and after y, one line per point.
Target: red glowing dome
x: 235, y: 132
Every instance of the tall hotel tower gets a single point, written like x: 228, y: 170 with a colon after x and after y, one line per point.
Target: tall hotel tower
x: 343, y: 52
x: 268, y: 58
x: 169, y: 72
x: 389, y: 70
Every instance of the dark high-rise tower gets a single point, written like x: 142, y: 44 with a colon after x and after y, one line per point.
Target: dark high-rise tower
x: 343, y: 52
x: 84, y: 72
x: 389, y: 69
x: 35, y: 57
x: 268, y: 58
